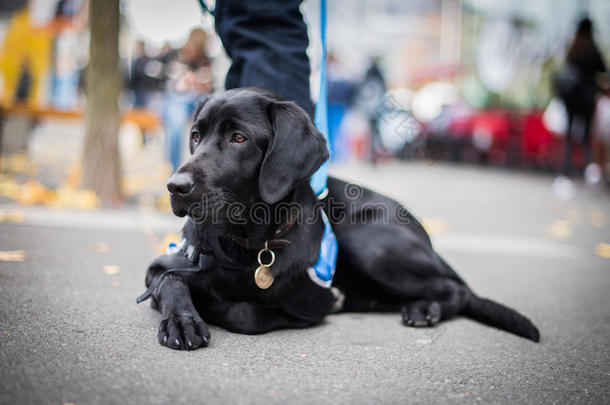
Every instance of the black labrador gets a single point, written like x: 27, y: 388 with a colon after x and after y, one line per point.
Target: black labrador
x: 255, y: 227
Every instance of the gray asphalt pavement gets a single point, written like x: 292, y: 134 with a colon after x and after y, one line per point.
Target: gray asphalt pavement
x: 70, y: 332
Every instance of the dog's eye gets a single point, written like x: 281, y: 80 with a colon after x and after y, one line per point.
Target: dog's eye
x: 195, y: 136
x: 237, y: 137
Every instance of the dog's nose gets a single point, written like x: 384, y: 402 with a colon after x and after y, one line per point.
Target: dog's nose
x: 180, y: 183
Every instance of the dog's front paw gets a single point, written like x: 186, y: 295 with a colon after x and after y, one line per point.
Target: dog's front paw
x: 421, y: 313
x: 183, y: 331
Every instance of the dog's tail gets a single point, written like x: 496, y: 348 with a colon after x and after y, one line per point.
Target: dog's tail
x: 494, y: 314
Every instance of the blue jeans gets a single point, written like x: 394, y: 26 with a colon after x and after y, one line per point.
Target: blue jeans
x: 64, y: 94
x: 267, y: 43
x: 177, y: 112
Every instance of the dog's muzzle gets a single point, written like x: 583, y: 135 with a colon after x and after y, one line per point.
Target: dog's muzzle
x: 180, y: 187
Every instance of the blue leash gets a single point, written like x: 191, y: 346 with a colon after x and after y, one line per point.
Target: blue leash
x: 318, y: 180
x: 323, y: 271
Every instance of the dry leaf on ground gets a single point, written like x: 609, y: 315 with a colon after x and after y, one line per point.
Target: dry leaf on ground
x: 435, y: 226
x: 79, y: 199
x: 11, y: 216
x: 603, y: 250
x: 598, y: 219
x: 102, y: 247
x: 112, y: 270
x: 33, y: 192
x: 12, y: 255
x: 559, y: 230
x: 9, y: 187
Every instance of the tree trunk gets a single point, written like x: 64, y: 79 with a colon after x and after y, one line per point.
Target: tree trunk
x: 101, y: 160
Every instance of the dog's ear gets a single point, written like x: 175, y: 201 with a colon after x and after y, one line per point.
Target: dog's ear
x: 296, y: 150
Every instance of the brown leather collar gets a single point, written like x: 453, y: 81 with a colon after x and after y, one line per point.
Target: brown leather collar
x: 274, y: 243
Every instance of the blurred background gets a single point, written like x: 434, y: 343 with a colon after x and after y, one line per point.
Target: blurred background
x: 459, y: 81
x: 488, y: 119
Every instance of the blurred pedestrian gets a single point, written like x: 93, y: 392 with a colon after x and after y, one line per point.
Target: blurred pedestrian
x: 189, y: 78
x: 140, y: 83
x: 369, y: 98
x: 576, y: 85
x: 67, y: 57
x: 601, y: 136
x: 25, y: 59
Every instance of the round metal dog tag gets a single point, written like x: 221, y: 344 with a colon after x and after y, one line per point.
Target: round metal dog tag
x: 263, y: 277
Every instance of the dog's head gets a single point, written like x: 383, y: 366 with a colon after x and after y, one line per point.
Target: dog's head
x: 247, y: 145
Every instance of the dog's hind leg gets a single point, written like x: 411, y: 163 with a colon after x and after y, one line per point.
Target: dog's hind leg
x: 398, y: 264
x: 444, y: 299
x: 398, y: 260
x: 405, y: 268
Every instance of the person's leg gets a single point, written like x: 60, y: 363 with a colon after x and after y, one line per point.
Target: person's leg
x: 586, y: 140
x: 375, y: 146
x: 175, y: 118
x: 267, y: 42
x: 140, y: 98
x: 567, y: 159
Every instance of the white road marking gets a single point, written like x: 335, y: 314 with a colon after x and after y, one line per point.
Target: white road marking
x: 506, y: 245
x: 132, y: 220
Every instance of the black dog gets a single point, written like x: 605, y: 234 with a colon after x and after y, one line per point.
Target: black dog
x: 246, y: 191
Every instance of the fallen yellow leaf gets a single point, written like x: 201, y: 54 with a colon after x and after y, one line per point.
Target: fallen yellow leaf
x: 17, y: 163
x: 11, y: 216
x: 102, y: 247
x: 33, y: 192
x: 12, y: 255
x: 574, y: 216
x: 9, y: 188
x: 559, y: 230
x: 598, y: 219
x: 603, y: 250
x: 435, y: 225
x: 79, y: 199
x: 112, y: 270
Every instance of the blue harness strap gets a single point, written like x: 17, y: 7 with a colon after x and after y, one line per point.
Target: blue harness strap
x: 323, y: 271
